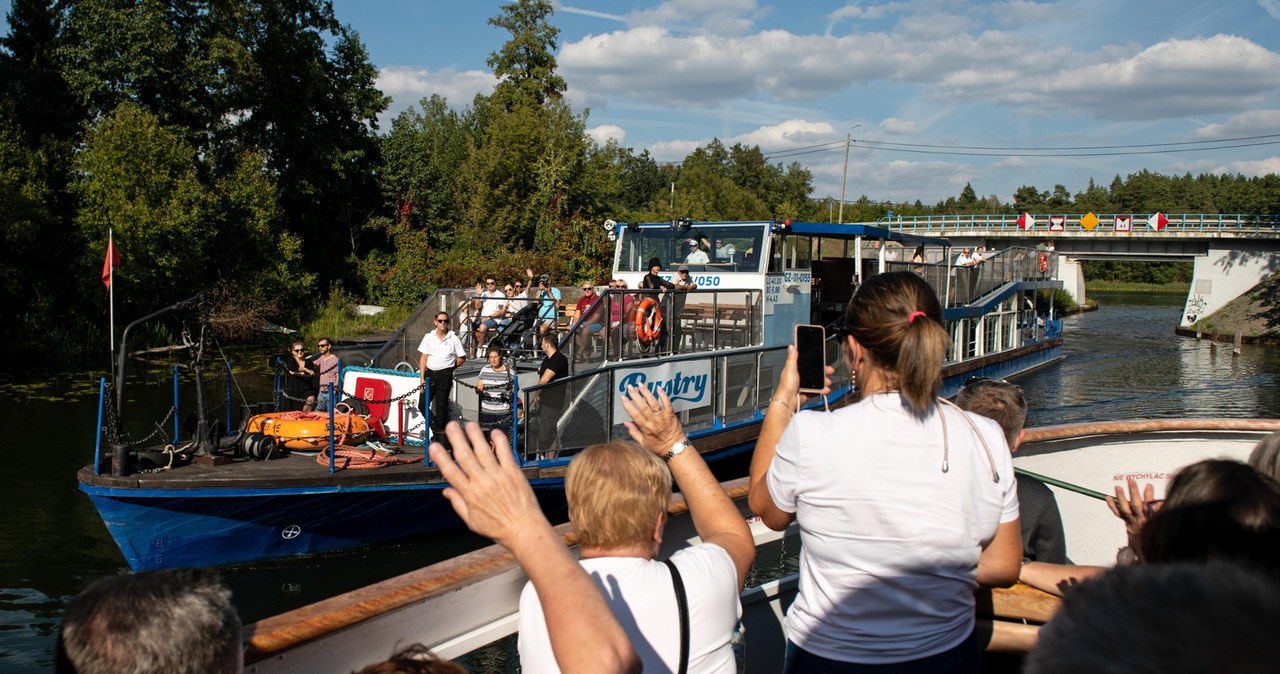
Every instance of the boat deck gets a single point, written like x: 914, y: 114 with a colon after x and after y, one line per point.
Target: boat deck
x: 295, y: 470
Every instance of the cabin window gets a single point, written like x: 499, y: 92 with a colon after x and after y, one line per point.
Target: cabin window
x: 703, y: 247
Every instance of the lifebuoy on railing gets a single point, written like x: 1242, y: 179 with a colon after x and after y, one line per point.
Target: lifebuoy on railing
x: 648, y: 320
x: 1044, y: 262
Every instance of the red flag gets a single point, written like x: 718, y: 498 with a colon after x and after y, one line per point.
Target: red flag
x: 110, y: 262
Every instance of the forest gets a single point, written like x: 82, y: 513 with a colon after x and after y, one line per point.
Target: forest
x: 234, y: 147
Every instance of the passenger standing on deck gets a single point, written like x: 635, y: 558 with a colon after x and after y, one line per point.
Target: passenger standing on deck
x: 652, y: 281
x: 327, y: 364
x: 1042, y: 537
x: 548, y: 297
x: 591, y: 320
x: 906, y: 504
x: 550, y: 402
x: 617, y: 494
x: 299, y: 386
x: 494, y: 387
x: 441, y: 353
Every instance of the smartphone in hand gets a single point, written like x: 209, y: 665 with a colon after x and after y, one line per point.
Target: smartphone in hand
x: 812, y: 357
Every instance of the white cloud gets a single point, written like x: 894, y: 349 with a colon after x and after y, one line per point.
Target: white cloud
x: 786, y: 135
x: 1272, y: 7
x: 606, y: 132
x: 407, y: 86
x: 672, y: 150
x: 712, y: 17
x: 899, y: 126
x: 1251, y: 168
x: 1027, y: 13
x: 1249, y: 123
x: 1174, y: 78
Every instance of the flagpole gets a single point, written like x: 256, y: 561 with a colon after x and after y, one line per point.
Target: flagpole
x: 111, y: 289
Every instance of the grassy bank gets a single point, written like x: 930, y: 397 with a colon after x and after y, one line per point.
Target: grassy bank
x: 338, y: 319
x: 1131, y: 287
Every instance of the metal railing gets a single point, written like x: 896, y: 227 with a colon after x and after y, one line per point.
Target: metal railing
x: 1007, y: 223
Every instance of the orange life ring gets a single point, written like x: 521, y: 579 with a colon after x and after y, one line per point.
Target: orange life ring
x: 1044, y: 262
x: 648, y: 320
x: 309, y: 430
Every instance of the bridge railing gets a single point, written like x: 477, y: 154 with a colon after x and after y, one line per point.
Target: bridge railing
x: 1190, y: 223
x: 962, y: 285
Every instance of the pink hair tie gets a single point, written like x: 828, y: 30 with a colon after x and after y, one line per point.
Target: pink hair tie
x: 914, y: 315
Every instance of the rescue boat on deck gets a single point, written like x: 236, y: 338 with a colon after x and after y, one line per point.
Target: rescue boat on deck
x: 309, y: 431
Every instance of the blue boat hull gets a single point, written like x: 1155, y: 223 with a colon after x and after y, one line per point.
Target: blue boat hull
x: 162, y: 529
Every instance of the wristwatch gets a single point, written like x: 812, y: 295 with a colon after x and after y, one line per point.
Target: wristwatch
x: 677, y: 449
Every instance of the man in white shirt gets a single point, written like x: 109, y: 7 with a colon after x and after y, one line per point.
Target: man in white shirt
x: 965, y: 259
x: 441, y: 352
x: 617, y: 494
x: 493, y: 313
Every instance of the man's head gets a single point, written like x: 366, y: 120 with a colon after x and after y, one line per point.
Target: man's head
x: 548, y: 341
x: 442, y: 321
x: 173, y: 621
x: 490, y: 283
x: 968, y: 250
x: 683, y: 269
x: 617, y: 494
x: 544, y: 281
x: 999, y: 401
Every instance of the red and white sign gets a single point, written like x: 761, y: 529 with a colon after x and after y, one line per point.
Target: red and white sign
x: 1026, y: 221
x: 1124, y: 223
x: 1057, y: 223
x: 1157, y: 221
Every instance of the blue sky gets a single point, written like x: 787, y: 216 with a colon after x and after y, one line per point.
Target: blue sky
x: 927, y: 75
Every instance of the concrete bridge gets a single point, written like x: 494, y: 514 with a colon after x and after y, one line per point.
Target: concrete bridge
x: 1231, y: 253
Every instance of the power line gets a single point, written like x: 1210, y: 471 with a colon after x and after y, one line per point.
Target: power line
x: 1065, y: 153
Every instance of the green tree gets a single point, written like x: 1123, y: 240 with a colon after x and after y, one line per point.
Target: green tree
x: 526, y: 63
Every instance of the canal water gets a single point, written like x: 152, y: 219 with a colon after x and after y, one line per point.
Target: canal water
x: 1122, y: 361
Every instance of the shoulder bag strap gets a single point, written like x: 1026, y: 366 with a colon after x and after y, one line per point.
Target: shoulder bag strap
x: 682, y: 603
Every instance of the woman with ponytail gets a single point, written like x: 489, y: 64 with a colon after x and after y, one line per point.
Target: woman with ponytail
x: 905, y: 503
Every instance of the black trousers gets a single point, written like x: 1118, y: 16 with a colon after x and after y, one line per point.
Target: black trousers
x: 441, y: 385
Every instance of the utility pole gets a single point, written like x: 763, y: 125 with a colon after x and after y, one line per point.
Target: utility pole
x: 844, y: 176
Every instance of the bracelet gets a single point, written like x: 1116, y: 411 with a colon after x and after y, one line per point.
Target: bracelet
x: 783, y: 403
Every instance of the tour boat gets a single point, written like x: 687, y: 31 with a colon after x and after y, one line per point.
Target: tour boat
x: 480, y: 591
x: 213, y: 499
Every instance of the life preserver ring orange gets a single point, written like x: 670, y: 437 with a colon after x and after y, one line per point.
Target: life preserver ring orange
x: 308, y: 430
x: 648, y: 320
x: 1044, y: 262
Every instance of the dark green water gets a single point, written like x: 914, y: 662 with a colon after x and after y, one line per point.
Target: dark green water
x: 1122, y: 361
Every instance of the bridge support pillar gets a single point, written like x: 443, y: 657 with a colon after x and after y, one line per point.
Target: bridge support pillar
x: 1071, y: 273
x: 1224, y: 274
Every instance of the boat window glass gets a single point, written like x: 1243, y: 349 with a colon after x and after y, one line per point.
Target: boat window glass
x: 791, y: 252
x: 703, y: 247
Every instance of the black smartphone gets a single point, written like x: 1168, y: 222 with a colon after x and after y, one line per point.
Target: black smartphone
x: 812, y: 357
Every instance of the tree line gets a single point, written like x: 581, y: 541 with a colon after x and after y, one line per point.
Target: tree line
x: 235, y: 147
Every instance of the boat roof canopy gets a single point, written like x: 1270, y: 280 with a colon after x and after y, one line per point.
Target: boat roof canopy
x: 849, y: 231
x: 824, y: 229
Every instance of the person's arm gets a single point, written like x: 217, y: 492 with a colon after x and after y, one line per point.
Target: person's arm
x: 492, y: 496
x: 1001, y: 560
x: 654, y: 425
x: 1054, y: 578
x: 777, y: 415
x: 422, y: 366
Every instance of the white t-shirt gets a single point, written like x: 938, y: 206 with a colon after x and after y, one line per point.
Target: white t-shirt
x: 698, y: 256
x: 442, y: 352
x: 890, y: 543
x: 640, y: 593
x: 494, y: 302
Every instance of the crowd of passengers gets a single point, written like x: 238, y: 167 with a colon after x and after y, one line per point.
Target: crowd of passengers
x: 906, y: 504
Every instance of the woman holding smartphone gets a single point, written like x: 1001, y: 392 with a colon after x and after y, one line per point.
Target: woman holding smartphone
x: 905, y: 503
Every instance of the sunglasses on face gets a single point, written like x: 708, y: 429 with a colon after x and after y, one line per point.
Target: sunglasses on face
x: 442, y: 320
x: 297, y: 350
x: 323, y: 346
x: 490, y: 283
x: 519, y: 285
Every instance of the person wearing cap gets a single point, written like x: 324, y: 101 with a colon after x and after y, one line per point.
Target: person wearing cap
x: 697, y: 255
x: 684, y: 283
x: 548, y: 297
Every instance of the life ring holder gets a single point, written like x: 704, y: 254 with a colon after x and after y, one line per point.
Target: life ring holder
x: 648, y: 320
